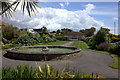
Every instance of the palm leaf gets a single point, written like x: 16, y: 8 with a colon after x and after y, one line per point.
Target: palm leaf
x: 7, y: 7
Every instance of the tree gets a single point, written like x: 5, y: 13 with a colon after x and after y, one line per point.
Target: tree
x: 105, y: 30
x: 65, y: 30
x: 7, y: 7
x: 88, y: 32
x: 44, y: 30
x: 100, y: 37
x: 10, y: 32
x: 58, y: 31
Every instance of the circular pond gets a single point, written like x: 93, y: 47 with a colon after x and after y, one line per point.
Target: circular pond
x: 40, y: 52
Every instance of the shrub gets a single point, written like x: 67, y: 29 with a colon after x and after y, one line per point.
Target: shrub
x: 49, y: 73
x: 38, y: 38
x: 7, y: 46
x: 108, y: 39
x: 86, y: 39
x: 105, y: 46
x: 100, y: 37
x: 19, y: 72
x: 115, y: 48
x: 111, y: 50
x: 25, y: 40
x: 10, y: 32
x: 5, y: 41
x: 92, y: 43
x: 25, y: 72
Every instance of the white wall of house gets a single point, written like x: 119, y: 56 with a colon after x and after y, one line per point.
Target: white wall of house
x: 30, y: 30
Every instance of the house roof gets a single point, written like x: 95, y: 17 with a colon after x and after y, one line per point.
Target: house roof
x: 37, y: 30
x: 2, y: 23
x: 53, y: 32
x: 74, y: 33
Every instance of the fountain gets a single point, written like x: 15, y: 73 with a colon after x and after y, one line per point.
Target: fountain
x: 45, y: 49
x: 40, y: 52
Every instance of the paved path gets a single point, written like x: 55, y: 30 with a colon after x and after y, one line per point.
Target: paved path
x: 66, y: 44
x: 89, y: 61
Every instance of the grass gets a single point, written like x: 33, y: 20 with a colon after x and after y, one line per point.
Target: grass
x: 7, y: 46
x: 55, y: 43
x: 80, y: 44
x: 84, y: 46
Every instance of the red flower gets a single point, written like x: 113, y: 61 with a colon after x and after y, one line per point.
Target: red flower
x: 92, y: 74
x: 97, y: 75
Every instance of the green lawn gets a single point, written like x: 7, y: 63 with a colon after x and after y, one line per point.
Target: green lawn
x: 84, y: 46
x: 80, y: 44
x: 55, y: 43
x: 50, y: 43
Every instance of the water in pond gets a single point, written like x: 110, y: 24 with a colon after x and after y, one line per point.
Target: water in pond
x: 39, y: 50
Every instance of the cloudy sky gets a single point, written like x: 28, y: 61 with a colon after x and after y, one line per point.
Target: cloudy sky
x: 73, y: 15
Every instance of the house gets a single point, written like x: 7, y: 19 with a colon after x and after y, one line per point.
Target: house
x: 2, y: 23
x: 53, y: 32
x: 32, y: 30
x: 75, y: 35
x: 38, y: 30
x: 28, y: 30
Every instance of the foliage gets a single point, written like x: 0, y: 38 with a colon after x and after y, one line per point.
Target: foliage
x: 9, y: 7
x: 10, y: 32
x: 88, y: 32
x: 44, y: 30
x: 48, y: 73
x: 106, y: 30
x: 38, y: 38
x: 86, y: 39
x: 105, y: 46
x: 5, y: 41
x: 115, y: 48
x: 58, y: 31
x: 25, y: 40
x: 91, y: 42
x: 2, y: 44
x: 108, y: 40
x: 7, y: 46
x: 114, y: 38
x: 18, y: 72
x: 100, y: 37
x: 65, y: 30
x: 21, y: 32
x: 62, y: 38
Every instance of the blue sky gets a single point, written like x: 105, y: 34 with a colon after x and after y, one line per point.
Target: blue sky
x: 73, y: 15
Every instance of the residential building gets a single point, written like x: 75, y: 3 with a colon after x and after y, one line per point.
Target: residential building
x: 75, y: 35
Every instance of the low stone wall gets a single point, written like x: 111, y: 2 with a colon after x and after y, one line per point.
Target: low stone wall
x: 39, y: 56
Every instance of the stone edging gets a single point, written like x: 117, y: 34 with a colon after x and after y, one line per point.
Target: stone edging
x: 39, y: 56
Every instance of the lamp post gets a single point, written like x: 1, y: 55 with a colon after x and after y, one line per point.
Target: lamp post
x: 114, y: 26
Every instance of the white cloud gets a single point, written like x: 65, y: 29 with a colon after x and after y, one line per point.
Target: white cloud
x: 89, y: 7
x: 62, y: 5
x: 55, y: 19
x: 115, y: 19
x: 67, y: 3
